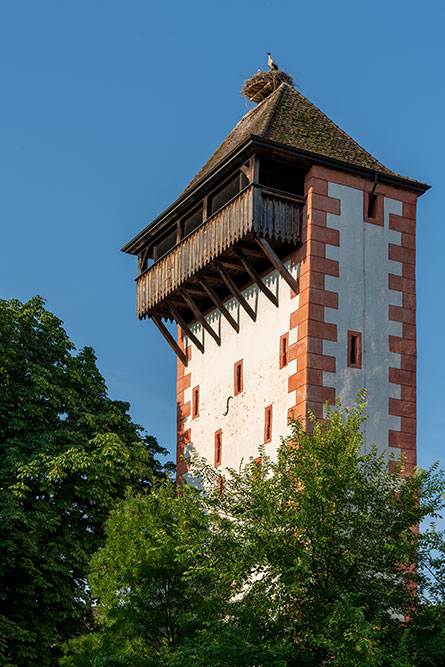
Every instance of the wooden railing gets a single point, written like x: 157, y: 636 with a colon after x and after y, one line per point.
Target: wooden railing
x: 258, y: 209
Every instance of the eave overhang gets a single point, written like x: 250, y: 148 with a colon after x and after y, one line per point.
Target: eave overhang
x: 260, y: 146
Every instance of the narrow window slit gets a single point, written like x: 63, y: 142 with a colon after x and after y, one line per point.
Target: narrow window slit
x: 195, y: 403
x: 284, y: 350
x: 268, y: 424
x: 238, y: 372
x: 218, y: 448
x: 372, y: 205
x: 354, y: 349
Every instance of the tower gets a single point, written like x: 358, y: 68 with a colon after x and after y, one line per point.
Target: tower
x: 288, y: 263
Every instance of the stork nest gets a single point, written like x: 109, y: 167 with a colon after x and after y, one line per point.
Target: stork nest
x: 262, y: 84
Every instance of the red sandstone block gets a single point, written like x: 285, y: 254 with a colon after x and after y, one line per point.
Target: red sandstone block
x: 316, y: 185
x: 320, y: 394
x: 399, y: 254
x: 325, y: 235
x: 400, y: 314
x: 321, y: 361
x: 409, y: 210
x: 408, y: 362
x: 317, y: 218
x: 310, y: 311
x: 401, y: 224
x: 329, y: 266
x: 409, y: 301
x: 339, y: 177
x: 324, y: 298
x: 401, y: 408
x: 401, y: 284
x: 398, y: 194
x: 296, y: 381
x: 323, y: 203
x: 317, y: 248
x: 305, y: 377
x: 183, y: 439
x: 322, y: 330
x: 307, y: 345
x: 409, y: 331
x: 402, y: 440
x: 186, y: 409
x: 402, y: 346
x: 408, y: 393
x: 399, y: 376
x: 317, y: 407
x: 183, y: 383
x: 295, y: 412
x: 409, y: 425
x: 408, y: 271
x: 408, y: 241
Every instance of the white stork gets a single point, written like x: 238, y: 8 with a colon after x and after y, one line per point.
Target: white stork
x: 273, y: 65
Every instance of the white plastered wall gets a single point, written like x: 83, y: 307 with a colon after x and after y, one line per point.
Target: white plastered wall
x: 264, y: 383
x: 363, y: 305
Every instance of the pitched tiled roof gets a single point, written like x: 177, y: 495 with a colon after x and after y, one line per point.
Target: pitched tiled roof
x: 287, y: 117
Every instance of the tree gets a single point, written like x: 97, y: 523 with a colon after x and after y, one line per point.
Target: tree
x: 319, y: 547
x: 154, y: 580
x: 68, y: 453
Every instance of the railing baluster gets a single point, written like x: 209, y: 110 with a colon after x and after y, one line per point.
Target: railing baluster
x: 255, y: 208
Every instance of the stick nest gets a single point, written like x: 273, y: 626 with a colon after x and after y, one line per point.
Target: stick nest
x: 262, y: 84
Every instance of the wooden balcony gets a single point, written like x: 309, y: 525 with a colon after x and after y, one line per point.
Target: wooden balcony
x: 254, y: 211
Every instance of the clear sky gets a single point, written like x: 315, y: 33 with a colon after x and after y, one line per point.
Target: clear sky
x: 109, y: 108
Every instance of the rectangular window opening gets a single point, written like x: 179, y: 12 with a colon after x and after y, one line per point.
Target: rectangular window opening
x: 284, y: 350
x: 218, y: 448
x: 372, y: 205
x: 238, y: 377
x: 268, y: 424
x: 195, y: 403
x: 354, y: 349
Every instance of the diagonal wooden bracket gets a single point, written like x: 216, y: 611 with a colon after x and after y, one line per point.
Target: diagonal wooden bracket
x: 255, y: 276
x: 185, y: 328
x: 235, y: 291
x: 277, y: 263
x: 199, y: 316
x: 169, y: 338
x: 219, y: 304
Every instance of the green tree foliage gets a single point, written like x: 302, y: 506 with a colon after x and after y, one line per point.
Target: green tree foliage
x: 154, y: 579
x: 68, y: 452
x: 310, y: 556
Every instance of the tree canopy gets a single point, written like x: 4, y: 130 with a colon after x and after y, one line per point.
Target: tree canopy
x: 310, y: 558
x: 67, y: 454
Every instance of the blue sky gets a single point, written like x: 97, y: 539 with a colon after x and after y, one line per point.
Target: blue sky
x: 110, y: 107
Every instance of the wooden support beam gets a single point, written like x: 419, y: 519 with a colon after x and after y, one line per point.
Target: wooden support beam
x: 142, y: 259
x: 169, y: 338
x: 250, y: 251
x: 199, y: 316
x: 278, y: 264
x: 255, y: 276
x: 219, y: 304
x: 230, y: 265
x: 185, y: 328
x: 235, y: 291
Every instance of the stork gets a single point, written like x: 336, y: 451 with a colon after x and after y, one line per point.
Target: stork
x: 273, y: 65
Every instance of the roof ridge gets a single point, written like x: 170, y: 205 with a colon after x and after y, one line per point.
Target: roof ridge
x: 337, y: 126
x: 273, y: 110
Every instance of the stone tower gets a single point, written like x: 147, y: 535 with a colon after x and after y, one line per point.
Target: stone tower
x: 289, y: 265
